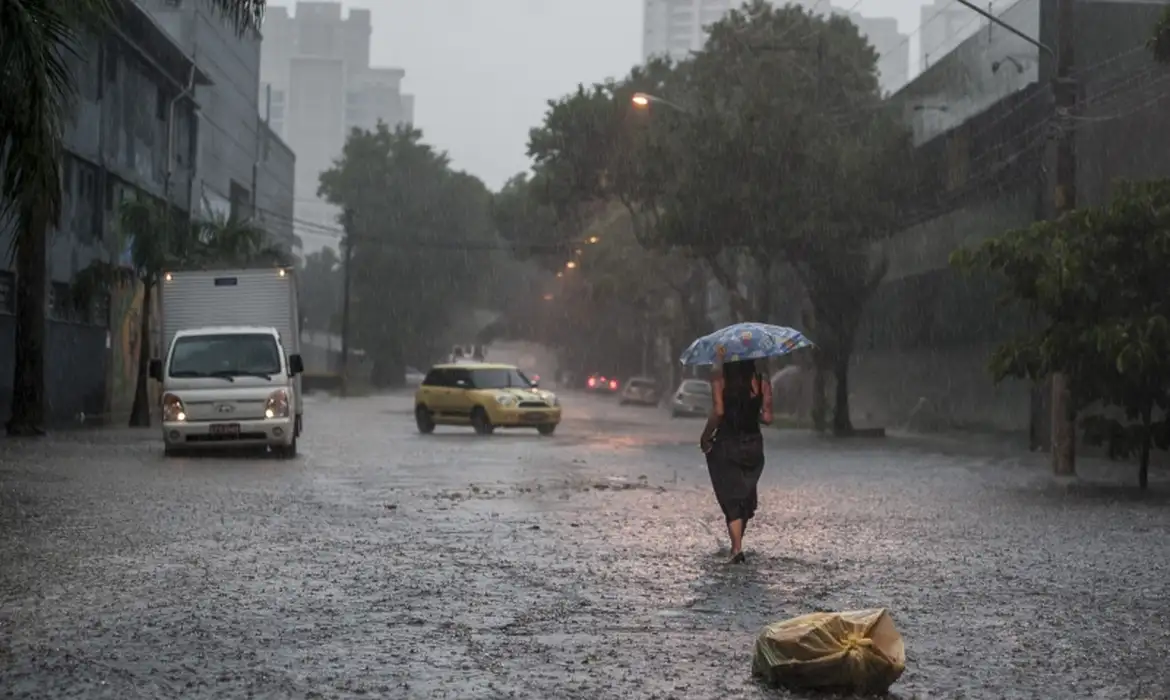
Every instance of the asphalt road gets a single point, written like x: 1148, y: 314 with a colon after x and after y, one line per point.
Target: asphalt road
x: 385, y: 564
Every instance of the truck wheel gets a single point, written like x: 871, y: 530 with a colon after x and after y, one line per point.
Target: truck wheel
x: 423, y: 419
x: 286, y: 451
x: 481, y: 422
x: 547, y: 428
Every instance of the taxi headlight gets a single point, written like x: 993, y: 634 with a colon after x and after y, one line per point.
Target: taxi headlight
x: 277, y: 406
x: 505, y: 400
x: 172, y: 409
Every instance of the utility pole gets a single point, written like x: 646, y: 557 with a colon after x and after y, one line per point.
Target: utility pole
x: 1064, y: 200
x: 346, y: 243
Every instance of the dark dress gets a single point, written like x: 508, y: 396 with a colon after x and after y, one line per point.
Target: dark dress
x: 736, y: 459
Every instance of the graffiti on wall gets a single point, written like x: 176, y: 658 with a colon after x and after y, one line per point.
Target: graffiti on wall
x: 125, y: 338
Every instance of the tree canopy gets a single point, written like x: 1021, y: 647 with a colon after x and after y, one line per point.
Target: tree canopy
x: 421, y: 234
x: 769, y: 154
x: 1160, y: 41
x: 1095, y: 279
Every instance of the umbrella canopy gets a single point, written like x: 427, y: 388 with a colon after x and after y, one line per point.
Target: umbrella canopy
x: 745, y: 341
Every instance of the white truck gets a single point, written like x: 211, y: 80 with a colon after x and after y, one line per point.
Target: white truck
x: 231, y: 376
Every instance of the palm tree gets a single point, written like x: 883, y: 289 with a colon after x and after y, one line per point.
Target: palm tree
x: 37, y: 92
x: 159, y: 239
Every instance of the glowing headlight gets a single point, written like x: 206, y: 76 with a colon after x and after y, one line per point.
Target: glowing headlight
x: 505, y: 400
x: 277, y: 406
x: 552, y: 399
x: 173, y: 409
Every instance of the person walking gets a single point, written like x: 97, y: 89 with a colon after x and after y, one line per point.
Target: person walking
x: 741, y: 401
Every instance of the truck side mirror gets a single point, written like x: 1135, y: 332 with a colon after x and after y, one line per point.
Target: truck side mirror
x: 155, y: 370
x: 295, y: 365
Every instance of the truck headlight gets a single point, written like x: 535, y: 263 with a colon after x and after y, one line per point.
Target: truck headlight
x: 505, y: 400
x: 173, y: 409
x: 277, y: 406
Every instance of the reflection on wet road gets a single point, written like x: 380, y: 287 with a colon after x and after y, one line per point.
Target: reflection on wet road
x: 382, y: 563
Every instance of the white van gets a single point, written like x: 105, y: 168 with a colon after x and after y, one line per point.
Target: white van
x: 232, y: 360
x: 228, y: 386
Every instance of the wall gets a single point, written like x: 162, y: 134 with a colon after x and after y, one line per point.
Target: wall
x: 922, y: 352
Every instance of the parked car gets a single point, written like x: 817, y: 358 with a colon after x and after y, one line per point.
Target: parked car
x: 641, y: 391
x: 485, y: 397
x: 692, y: 398
x: 602, y: 384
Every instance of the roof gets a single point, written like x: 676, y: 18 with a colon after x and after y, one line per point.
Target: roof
x: 226, y: 330
x: 473, y: 365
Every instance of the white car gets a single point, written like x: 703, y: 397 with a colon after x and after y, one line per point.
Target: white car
x: 692, y: 398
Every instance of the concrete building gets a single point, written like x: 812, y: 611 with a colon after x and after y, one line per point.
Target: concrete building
x: 892, y: 47
x: 316, y: 63
x: 676, y: 27
x: 981, y: 120
x: 116, y: 149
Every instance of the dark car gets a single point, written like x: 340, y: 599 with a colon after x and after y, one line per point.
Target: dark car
x: 602, y: 384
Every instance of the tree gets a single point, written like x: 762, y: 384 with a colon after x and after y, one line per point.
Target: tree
x: 420, y: 232
x: 37, y: 92
x: 1160, y: 41
x: 321, y: 279
x: 159, y: 239
x: 1095, y: 278
x: 768, y: 153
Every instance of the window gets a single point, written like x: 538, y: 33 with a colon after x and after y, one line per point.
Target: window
x: 226, y: 355
x: 438, y: 378
x: 61, y: 306
x: 99, y: 311
x: 160, y: 104
x: 504, y: 378
x: 692, y: 386
x: 7, y: 292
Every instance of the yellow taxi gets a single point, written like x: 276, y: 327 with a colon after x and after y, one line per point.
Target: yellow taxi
x: 484, y: 396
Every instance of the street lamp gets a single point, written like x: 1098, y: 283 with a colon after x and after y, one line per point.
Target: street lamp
x: 571, y: 264
x: 593, y: 239
x: 642, y: 100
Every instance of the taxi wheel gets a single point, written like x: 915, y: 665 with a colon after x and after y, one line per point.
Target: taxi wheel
x: 481, y: 422
x: 422, y: 417
x: 547, y: 428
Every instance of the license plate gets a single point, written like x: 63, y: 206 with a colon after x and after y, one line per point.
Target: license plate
x: 534, y: 417
x: 225, y: 429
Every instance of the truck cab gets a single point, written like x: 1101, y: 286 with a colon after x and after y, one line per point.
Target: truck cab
x: 229, y: 386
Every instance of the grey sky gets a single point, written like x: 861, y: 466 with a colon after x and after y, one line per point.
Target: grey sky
x: 482, y: 70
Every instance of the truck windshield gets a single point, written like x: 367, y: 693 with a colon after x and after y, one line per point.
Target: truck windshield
x: 230, y: 355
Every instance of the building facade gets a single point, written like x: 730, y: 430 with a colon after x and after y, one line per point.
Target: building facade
x: 124, y: 141
x: 316, y: 63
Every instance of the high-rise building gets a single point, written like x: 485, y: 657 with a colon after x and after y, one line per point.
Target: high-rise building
x: 676, y: 27
x: 315, y: 64
x: 892, y: 47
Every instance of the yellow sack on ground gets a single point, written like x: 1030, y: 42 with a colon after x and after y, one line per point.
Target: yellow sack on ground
x: 854, y: 652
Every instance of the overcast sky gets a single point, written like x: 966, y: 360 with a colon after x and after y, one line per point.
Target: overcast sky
x: 482, y: 70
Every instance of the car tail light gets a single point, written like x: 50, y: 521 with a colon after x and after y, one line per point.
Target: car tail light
x: 613, y: 384
x: 592, y: 382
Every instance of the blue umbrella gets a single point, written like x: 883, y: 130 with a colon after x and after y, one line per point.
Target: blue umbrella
x: 745, y: 341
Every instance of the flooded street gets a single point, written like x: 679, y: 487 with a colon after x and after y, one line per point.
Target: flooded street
x: 382, y: 563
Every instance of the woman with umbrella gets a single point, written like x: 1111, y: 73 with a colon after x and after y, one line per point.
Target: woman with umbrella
x: 741, y: 401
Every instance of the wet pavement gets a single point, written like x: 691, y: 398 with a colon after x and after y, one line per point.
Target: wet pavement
x: 381, y: 563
